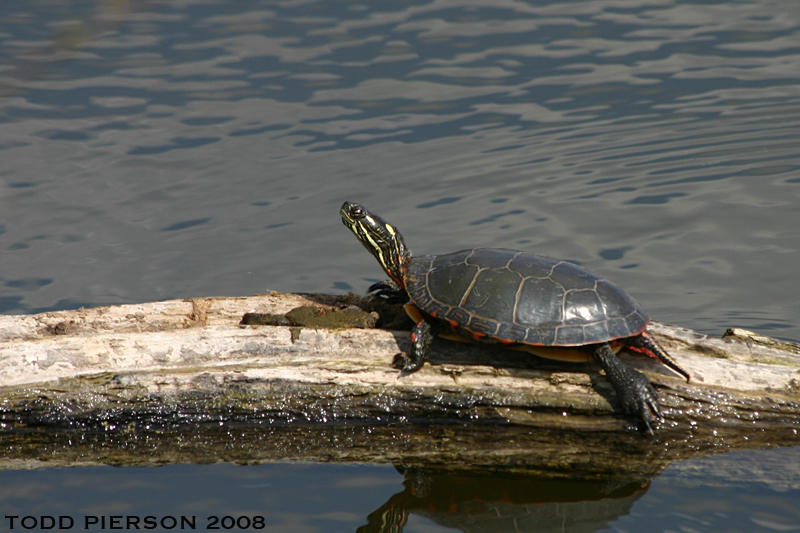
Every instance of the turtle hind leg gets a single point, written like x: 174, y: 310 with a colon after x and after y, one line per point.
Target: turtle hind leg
x: 421, y: 337
x: 646, y: 344
x: 634, y: 391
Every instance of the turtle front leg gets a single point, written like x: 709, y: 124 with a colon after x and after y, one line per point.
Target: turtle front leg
x: 634, y: 391
x: 388, y: 291
x: 421, y: 337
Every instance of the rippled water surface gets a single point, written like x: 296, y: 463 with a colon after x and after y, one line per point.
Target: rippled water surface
x: 155, y: 149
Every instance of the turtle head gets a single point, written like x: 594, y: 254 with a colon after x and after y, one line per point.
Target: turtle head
x: 379, y: 237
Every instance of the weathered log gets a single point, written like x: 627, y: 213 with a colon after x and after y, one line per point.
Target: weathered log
x: 183, y: 381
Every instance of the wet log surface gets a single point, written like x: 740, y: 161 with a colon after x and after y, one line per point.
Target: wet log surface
x: 183, y: 381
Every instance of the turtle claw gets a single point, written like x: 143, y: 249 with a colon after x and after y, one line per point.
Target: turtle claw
x: 405, y: 364
x: 400, y: 361
x: 634, y: 391
x: 640, y: 401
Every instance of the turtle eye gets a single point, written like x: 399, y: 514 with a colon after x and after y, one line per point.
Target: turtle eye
x: 357, y: 212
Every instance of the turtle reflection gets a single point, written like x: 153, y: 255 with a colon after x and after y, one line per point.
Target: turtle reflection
x: 482, y: 502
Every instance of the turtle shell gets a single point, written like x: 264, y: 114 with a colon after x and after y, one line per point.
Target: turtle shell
x: 523, y: 298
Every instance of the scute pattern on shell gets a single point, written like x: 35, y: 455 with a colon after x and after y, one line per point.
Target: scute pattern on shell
x: 521, y: 297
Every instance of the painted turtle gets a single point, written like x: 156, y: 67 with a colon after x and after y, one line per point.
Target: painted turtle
x: 546, y: 306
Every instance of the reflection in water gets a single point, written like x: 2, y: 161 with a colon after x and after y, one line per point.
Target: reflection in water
x: 474, y: 502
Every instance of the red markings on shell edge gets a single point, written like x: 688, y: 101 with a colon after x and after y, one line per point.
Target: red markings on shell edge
x: 453, y: 325
x: 477, y: 336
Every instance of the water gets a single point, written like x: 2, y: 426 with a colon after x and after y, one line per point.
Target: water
x: 155, y: 150
x: 338, y: 498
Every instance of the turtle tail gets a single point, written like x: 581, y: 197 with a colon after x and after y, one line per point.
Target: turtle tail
x: 646, y: 344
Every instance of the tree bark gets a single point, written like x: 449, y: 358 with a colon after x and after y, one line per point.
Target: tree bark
x: 183, y: 381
